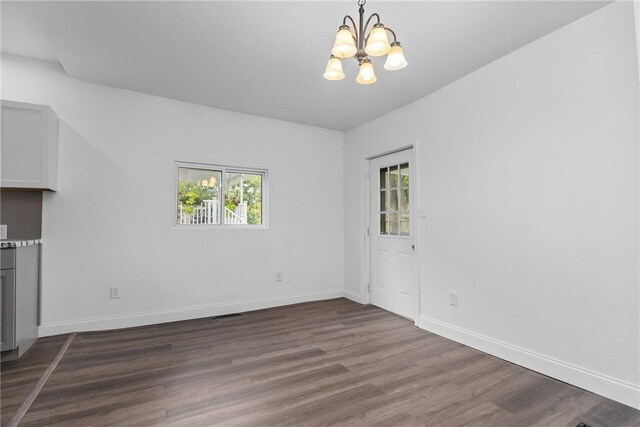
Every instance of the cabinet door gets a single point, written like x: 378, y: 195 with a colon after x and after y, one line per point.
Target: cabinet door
x: 29, y: 146
x: 8, y: 307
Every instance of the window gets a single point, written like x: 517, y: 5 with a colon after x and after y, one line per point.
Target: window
x: 394, y: 200
x: 220, y: 195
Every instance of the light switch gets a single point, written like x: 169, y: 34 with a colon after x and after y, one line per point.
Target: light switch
x: 3, y: 231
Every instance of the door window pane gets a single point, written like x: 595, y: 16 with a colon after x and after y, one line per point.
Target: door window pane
x: 394, y: 200
x: 404, y: 200
x: 383, y: 201
x: 383, y: 224
x: 404, y: 175
x: 198, y: 196
x: 404, y: 224
x: 384, y: 172
x: 243, y: 198
x: 393, y: 224
x: 393, y: 176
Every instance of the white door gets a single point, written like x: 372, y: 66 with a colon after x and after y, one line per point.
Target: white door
x: 392, y: 261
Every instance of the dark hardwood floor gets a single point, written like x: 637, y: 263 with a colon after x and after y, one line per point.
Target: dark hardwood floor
x: 18, y: 378
x: 323, y: 363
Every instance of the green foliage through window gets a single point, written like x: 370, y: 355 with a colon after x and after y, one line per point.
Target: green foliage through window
x: 251, y: 195
x: 200, y: 192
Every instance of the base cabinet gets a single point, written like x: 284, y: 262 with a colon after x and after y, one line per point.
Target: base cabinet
x: 8, y: 304
x: 19, y: 281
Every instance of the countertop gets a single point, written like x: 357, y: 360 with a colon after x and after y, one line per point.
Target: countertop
x: 8, y: 244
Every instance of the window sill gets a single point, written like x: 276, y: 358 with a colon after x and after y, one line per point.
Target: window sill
x: 220, y: 227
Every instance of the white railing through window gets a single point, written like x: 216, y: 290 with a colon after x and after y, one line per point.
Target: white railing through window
x: 237, y: 216
x: 209, y: 213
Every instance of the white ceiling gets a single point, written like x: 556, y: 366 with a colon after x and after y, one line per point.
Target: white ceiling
x: 267, y: 58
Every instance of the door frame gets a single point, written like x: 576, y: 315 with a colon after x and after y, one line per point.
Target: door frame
x: 415, y: 224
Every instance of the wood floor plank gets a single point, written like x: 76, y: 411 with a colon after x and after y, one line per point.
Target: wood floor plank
x: 324, y: 363
x: 18, y: 377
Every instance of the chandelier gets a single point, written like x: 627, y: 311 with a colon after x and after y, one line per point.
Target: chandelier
x: 362, y: 45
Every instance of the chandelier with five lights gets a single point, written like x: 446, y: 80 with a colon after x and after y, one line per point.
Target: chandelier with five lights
x: 362, y: 45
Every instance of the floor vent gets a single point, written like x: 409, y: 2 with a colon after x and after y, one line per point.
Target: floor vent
x: 224, y: 316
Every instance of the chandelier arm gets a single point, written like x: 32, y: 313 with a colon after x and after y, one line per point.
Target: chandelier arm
x: 364, y: 29
x: 360, y: 38
x: 344, y: 22
x: 395, y: 39
x: 354, y: 32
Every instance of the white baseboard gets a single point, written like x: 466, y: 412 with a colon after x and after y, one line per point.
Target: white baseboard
x: 352, y: 296
x: 612, y: 388
x: 150, y: 318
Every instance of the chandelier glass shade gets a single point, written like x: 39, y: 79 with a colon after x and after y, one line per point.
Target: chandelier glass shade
x: 334, y: 69
x: 367, y: 75
x: 345, y: 45
x: 395, y: 58
x: 377, y: 42
x: 356, y: 41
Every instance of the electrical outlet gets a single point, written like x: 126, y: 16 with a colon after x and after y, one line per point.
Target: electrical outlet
x: 278, y: 276
x: 3, y: 231
x: 453, y: 299
x: 115, y: 292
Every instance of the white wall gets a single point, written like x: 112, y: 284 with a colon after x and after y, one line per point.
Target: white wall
x: 528, y: 172
x: 111, y: 222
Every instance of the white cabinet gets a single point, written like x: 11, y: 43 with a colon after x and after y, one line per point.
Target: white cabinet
x: 29, y: 154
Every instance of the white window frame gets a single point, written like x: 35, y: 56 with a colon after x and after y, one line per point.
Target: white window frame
x: 224, y: 170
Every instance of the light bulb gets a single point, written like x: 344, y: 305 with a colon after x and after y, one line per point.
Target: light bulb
x: 345, y: 45
x: 395, y: 60
x: 366, y: 76
x: 377, y: 43
x: 334, y: 69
